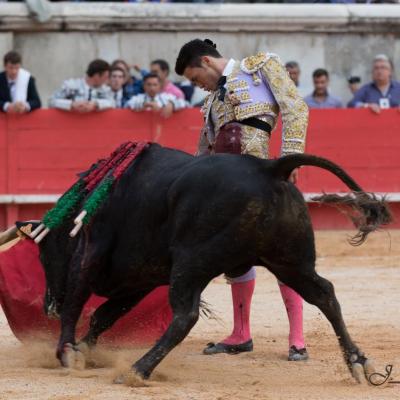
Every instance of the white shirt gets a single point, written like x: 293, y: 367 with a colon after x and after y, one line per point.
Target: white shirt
x: 117, y: 96
x: 13, y: 94
x: 78, y: 90
x: 228, y: 67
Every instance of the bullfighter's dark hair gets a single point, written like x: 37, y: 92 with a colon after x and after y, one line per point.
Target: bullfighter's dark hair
x: 12, y: 57
x: 151, y: 75
x: 191, y: 53
x: 320, y: 72
x: 97, y: 66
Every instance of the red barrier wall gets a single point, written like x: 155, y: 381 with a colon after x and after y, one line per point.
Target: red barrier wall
x: 40, y: 153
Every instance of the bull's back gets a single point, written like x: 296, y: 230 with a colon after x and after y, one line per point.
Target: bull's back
x: 132, y: 225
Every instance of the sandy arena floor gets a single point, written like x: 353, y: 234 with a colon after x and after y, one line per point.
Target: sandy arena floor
x: 367, y: 282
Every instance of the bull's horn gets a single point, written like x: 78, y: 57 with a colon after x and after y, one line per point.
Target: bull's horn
x: 8, y: 235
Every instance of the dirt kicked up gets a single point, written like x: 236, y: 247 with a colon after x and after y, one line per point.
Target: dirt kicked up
x: 367, y: 283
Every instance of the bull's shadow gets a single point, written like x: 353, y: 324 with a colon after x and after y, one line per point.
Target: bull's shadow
x: 179, y: 220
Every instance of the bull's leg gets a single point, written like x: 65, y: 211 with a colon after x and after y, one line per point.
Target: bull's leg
x: 78, y: 292
x: 184, y: 297
x: 75, y: 299
x: 107, y: 314
x: 320, y: 292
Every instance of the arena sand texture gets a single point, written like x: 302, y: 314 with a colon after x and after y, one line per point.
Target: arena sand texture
x: 367, y: 282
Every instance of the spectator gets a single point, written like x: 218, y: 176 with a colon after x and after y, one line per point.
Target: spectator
x: 382, y: 92
x: 161, y: 68
x: 154, y: 100
x: 132, y: 85
x: 320, y: 97
x: 86, y: 94
x: 117, y: 79
x: 293, y: 68
x: 187, y: 89
x: 354, y: 84
x: 18, y: 94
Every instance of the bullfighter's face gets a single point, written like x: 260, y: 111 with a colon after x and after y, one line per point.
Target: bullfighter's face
x: 204, y: 76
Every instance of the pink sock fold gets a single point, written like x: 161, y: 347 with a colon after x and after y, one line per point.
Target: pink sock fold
x: 294, y: 307
x: 242, y: 293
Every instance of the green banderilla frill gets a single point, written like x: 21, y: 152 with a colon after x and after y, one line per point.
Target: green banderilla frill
x: 97, y: 197
x: 64, y: 206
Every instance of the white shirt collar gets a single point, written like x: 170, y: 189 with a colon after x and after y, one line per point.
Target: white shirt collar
x: 229, y: 67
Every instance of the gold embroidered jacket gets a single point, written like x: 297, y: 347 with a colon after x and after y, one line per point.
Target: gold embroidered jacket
x: 258, y: 86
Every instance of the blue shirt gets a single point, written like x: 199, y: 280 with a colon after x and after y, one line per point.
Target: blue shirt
x: 329, y: 102
x: 133, y: 88
x: 370, y: 93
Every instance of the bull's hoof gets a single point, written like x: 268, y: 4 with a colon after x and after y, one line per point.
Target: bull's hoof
x: 358, y: 372
x: 131, y: 378
x: 72, y: 358
x: 83, y: 348
x: 362, y: 372
x: 120, y: 379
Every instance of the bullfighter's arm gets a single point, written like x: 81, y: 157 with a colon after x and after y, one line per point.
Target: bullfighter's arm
x: 293, y: 108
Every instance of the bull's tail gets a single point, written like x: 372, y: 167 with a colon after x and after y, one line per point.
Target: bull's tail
x: 368, y: 212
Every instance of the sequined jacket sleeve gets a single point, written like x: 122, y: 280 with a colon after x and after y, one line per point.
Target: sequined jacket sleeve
x: 293, y: 109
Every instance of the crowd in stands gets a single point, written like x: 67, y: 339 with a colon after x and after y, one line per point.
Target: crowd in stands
x: 106, y: 86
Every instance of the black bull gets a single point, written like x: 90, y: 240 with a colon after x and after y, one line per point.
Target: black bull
x: 179, y: 220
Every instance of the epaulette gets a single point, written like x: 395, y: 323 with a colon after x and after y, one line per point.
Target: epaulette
x: 252, y: 64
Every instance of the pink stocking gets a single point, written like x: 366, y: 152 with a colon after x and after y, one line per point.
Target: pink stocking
x: 294, y: 308
x: 242, y: 293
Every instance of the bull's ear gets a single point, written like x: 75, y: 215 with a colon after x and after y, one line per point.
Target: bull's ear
x: 25, y: 228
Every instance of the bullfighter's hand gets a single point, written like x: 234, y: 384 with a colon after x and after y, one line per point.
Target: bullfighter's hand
x: 167, y: 110
x: 294, y: 176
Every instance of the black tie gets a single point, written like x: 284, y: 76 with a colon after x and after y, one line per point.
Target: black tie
x: 221, y: 86
x: 90, y: 94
